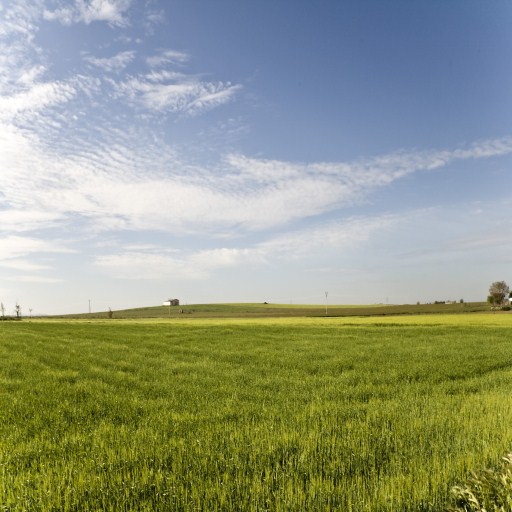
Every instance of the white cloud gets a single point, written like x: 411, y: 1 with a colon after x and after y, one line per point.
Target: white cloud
x: 130, y: 183
x: 142, y: 265
x: 18, y: 18
x: 176, y: 93
x: 88, y: 11
x: 111, y: 11
x: 23, y: 253
x: 212, y: 259
x: 38, y: 97
x: 179, y: 267
x: 22, y: 264
x: 342, y: 235
x: 112, y: 64
x: 152, y: 19
x: 320, y: 187
x: 166, y: 57
x: 385, y: 169
x: 65, y: 15
x: 198, y: 205
x: 210, y: 95
x: 27, y: 220
x: 462, y: 232
x: 20, y: 246
x: 30, y: 75
x: 152, y: 262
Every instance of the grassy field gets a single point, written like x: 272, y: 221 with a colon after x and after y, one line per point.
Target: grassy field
x: 349, y: 414
x: 262, y: 310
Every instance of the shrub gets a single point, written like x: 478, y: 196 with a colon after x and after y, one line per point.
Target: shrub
x: 505, y: 308
x: 489, y: 490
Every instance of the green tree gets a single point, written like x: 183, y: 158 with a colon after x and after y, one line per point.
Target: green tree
x: 498, y: 291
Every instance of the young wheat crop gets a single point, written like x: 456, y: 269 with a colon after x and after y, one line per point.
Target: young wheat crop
x: 220, y: 415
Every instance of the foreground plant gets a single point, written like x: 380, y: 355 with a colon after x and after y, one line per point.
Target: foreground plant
x: 489, y: 490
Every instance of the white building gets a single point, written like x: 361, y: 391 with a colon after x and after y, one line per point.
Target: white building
x: 171, y: 302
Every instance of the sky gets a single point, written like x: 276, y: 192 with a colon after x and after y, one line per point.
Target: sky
x: 227, y: 151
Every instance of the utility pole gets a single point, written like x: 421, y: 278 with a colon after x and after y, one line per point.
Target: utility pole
x: 89, y: 306
x: 326, y: 293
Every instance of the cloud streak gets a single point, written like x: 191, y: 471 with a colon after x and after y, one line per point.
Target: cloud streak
x: 88, y: 11
x: 36, y: 98
x: 167, y: 57
x: 114, y: 186
x: 175, y: 93
x: 19, y: 252
x: 179, y: 265
x: 160, y: 262
x: 115, y: 63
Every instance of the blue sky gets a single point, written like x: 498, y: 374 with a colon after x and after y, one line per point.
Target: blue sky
x: 227, y: 151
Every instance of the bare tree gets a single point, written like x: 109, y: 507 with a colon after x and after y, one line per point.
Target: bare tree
x: 2, y: 309
x: 17, y: 310
x: 498, y: 292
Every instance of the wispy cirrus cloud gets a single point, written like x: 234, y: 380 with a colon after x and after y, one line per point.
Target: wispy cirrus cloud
x: 127, y: 182
x: 19, y: 252
x: 370, y: 172
x: 182, y: 266
x: 19, y: 18
x: 342, y: 235
x: 39, y: 114
x: 37, y: 97
x: 115, y: 63
x: 167, y: 57
x: 175, y: 93
x: 17, y: 221
x: 165, y: 89
x: 179, y: 265
x: 88, y: 11
x: 156, y: 262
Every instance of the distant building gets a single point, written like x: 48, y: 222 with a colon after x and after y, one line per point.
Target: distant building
x: 171, y: 302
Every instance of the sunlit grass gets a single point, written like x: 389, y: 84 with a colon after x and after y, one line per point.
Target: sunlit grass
x: 251, y: 414
x: 474, y: 319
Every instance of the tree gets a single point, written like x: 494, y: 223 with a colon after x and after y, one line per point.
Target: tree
x: 498, y: 291
x: 17, y: 310
x: 2, y: 309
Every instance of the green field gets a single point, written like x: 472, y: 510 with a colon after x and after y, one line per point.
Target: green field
x: 264, y: 310
x: 349, y: 414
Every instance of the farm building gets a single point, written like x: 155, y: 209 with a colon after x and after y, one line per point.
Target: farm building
x: 171, y: 302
